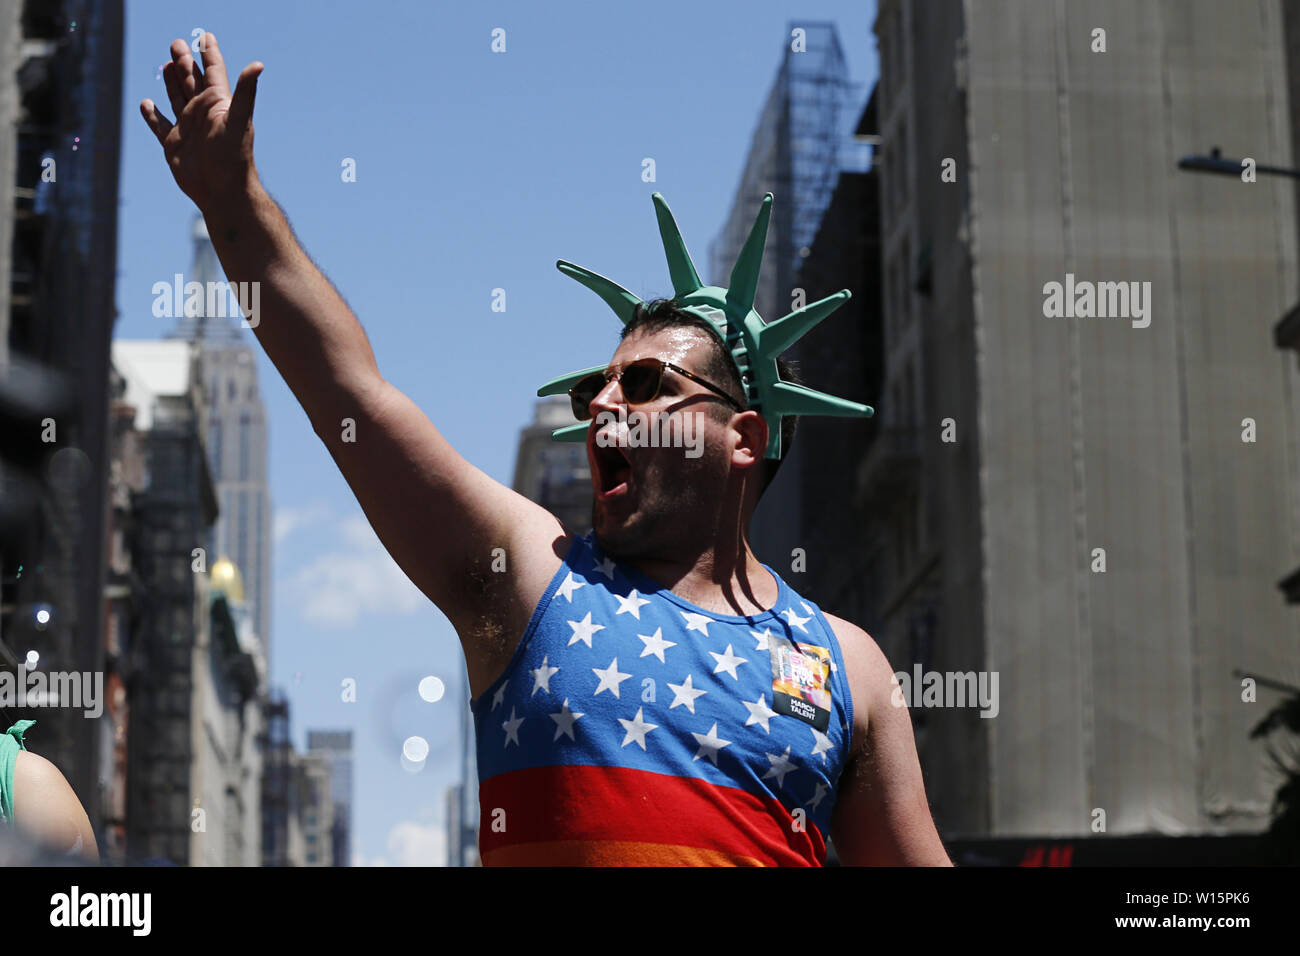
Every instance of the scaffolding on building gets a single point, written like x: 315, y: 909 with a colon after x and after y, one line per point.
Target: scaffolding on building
x: 802, y: 142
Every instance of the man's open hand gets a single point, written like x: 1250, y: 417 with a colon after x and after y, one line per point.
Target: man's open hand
x: 210, y: 147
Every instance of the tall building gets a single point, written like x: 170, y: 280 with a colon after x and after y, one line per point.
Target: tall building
x: 336, y: 747
x: 236, y: 425
x: 311, y: 822
x: 60, y: 131
x: 193, y: 667
x: 554, y: 474
x: 802, y: 142
x: 227, y: 721
x: 172, y: 512
x: 125, y: 600
x: 1095, y: 509
x: 277, y: 781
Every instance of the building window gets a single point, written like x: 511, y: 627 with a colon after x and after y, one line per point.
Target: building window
x: 244, y: 440
x: 241, y: 542
x: 216, y: 446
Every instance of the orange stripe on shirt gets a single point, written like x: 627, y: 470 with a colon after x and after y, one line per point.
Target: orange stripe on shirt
x: 610, y: 853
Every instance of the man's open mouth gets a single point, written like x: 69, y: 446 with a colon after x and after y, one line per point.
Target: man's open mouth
x: 613, y: 472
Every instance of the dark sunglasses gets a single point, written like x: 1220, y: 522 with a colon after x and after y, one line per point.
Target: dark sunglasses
x: 639, y: 380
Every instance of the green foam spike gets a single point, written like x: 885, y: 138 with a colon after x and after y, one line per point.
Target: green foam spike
x: 744, y: 274
x: 680, y: 267
x: 576, y: 432
x: 558, y: 386
x: 754, y: 344
x: 623, y: 303
x: 778, y: 336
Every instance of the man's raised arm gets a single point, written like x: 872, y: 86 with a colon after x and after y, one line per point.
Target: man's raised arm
x: 438, y: 515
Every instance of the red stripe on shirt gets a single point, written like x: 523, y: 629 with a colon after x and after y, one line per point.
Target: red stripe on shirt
x: 616, y: 805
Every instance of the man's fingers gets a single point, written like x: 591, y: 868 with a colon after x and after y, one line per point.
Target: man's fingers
x: 214, y: 67
x: 197, y: 82
x: 241, y: 103
x: 160, y: 125
x: 175, y: 95
x: 187, y: 75
x: 200, y: 106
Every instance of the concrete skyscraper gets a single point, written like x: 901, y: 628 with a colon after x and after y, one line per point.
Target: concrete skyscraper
x: 335, y: 747
x: 1096, y: 509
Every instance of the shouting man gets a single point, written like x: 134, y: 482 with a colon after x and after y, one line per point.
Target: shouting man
x: 649, y: 693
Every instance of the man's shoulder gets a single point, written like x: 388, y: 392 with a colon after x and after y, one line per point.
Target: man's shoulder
x: 867, y: 671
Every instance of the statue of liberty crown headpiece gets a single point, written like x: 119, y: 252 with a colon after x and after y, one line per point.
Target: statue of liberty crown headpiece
x: 753, y: 343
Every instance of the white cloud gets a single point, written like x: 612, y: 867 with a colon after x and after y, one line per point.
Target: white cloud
x: 357, y: 577
x: 412, y: 844
x: 285, y: 521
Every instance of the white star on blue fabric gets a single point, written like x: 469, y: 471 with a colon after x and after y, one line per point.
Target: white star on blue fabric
x: 512, y: 728
x: 631, y: 604
x: 794, y: 620
x: 696, y: 622
x: 781, y: 765
x: 606, y: 567
x: 542, y: 676
x: 564, y: 721
x: 759, y: 712
x: 710, y: 744
x: 655, y: 644
x: 823, y: 744
x: 818, y: 795
x: 727, y: 662
x: 610, y: 678
x: 499, y: 695
x: 583, y: 630
x: 762, y: 638
x: 570, y: 585
x: 685, y: 694
x: 636, y: 729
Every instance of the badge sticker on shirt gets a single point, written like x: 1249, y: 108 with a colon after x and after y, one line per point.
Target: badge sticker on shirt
x: 801, y: 685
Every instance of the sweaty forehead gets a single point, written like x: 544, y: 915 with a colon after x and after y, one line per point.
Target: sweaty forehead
x: 684, y: 346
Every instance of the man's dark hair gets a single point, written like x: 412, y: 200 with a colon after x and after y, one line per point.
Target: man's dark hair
x: 719, y: 368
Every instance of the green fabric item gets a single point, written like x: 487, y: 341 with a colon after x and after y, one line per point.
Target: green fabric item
x: 10, y: 743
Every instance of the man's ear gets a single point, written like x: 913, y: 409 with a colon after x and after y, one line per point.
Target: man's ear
x: 751, y: 443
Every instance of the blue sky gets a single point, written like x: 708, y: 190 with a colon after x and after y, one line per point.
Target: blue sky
x: 475, y: 170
